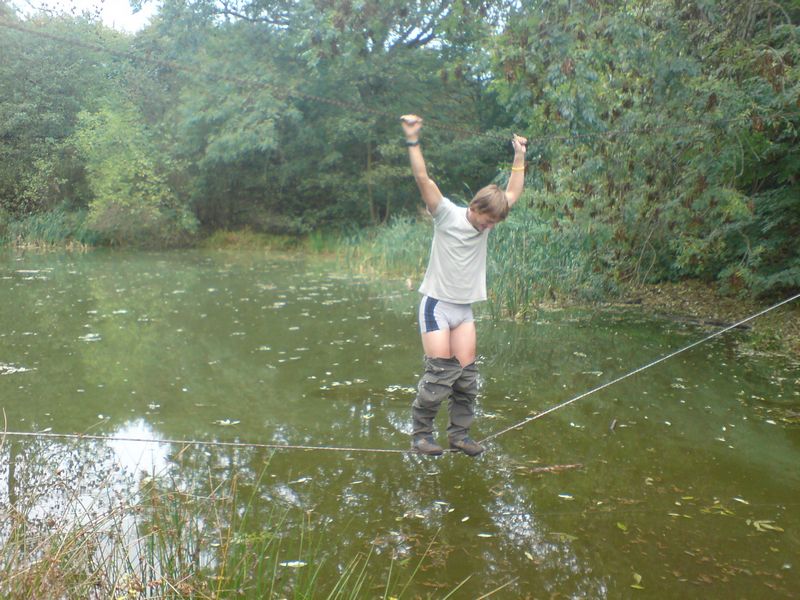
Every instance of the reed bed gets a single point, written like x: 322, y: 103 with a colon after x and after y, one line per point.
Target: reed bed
x: 530, y: 261
x: 56, y: 229
x: 74, y: 526
x: 399, y: 249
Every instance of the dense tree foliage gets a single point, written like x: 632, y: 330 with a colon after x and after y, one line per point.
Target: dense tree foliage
x: 664, y: 132
x: 709, y: 95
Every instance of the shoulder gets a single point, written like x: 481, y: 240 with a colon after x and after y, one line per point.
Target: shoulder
x: 444, y: 208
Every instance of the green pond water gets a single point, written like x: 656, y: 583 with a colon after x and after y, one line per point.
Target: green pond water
x: 689, y: 484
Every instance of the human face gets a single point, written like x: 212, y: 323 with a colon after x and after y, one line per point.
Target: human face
x: 481, y: 221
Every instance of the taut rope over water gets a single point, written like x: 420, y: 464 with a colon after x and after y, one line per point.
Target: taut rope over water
x: 107, y: 438
x: 280, y: 91
x: 635, y: 371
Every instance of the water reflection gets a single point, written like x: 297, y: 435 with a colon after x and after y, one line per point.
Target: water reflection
x: 252, y: 348
x: 137, y: 456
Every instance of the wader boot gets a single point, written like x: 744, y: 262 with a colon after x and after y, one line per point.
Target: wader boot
x: 462, y: 411
x: 435, y: 386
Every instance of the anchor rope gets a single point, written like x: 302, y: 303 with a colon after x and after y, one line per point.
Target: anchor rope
x: 635, y: 371
x: 282, y: 93
x: 110, y: 438
x: 519, y: 425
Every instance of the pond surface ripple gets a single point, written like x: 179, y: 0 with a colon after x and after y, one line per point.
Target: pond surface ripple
x: 688, y: 486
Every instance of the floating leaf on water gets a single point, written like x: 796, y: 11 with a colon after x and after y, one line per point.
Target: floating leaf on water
x: 226, y: 422
x: 485, y: 535
x: 566, y: 496
x: 765, y: 526
x: 622, y: 526
x: 637, y: 582
x: 294, y: 564
x: 563, y: 537
x: 742, y: 500
x: 529, y: 556
x: 301, y: 480
x: 11, y: 369
x: 465, y: 519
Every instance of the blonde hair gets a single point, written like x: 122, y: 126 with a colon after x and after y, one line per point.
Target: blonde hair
x: 490, y: 200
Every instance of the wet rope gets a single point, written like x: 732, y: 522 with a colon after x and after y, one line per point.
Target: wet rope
x: 635, y: 371
x: 109, y: 438
x: 282, y: 93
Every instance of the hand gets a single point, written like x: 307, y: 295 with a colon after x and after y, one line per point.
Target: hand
x: 520, y: 144
x: 411, y: 126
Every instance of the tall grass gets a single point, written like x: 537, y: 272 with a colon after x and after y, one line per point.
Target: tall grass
x: 529, y: 261
x: 316, y: 242
x: 57, y: 228
x: 400, y: 248
x: 94, y: 535
x: 532, y: 261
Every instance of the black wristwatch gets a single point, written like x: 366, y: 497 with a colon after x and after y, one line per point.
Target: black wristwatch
x: 412, y: 143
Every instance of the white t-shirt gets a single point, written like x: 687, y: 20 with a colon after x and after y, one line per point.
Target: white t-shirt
x: 457, y: 267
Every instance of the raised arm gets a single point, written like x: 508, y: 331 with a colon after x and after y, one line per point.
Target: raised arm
x: 517, y: 180
x: 427, y: 188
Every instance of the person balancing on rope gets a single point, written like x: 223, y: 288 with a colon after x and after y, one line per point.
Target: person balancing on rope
x: 455, y: 278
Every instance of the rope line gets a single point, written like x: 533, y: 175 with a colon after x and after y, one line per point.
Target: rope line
x: 109, y: 438
x: 635, y: 371
x: 282, y: 93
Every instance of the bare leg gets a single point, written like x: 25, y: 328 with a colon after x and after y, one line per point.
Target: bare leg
x: 463, y: 343
x: 460, y: 342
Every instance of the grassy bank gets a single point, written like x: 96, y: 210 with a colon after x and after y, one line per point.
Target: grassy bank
x: 533, y: 266
x: 530, y: 263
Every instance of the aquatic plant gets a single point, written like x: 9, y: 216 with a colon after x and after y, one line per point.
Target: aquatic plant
x: 85, y: 530
x: 398, y: 249
x: 529, y: 261
x: 59, y: 228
